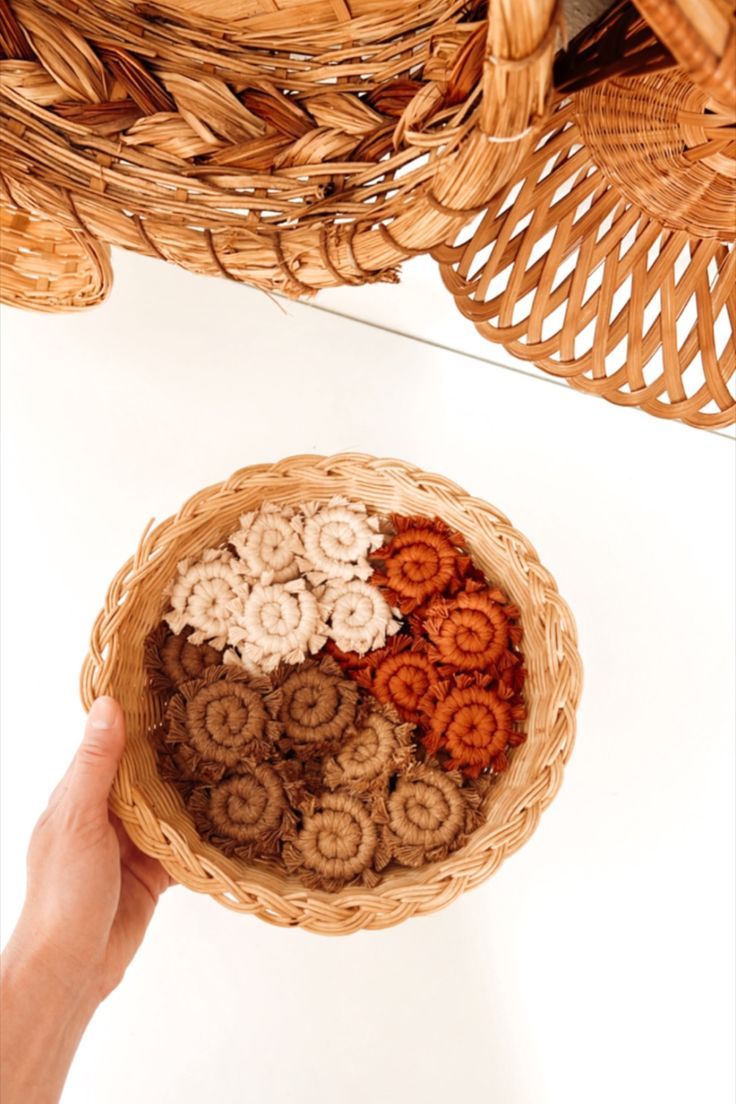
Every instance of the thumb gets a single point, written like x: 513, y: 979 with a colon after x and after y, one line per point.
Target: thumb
x: 99, y: 754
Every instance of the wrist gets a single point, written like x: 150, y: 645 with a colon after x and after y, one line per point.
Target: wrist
x: 33, y: 963
x: 43, y: 1019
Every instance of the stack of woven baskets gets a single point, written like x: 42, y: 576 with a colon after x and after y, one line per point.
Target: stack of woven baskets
x: 305, y: 144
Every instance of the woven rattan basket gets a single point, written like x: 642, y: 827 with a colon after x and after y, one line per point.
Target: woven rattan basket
x: 152, y: 810
x: 289, y: 145
x: 609, y: 261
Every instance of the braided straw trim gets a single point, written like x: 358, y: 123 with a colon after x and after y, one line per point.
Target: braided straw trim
x: 152, y: 811
x: 301, y: 147
x: 46, y: 267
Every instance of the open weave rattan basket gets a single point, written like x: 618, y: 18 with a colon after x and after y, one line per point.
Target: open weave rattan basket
x: 609, y: 260
x: 289, y: 145
x: 152, y: 811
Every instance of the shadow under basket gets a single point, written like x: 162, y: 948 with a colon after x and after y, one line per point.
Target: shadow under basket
x: 152, y: 810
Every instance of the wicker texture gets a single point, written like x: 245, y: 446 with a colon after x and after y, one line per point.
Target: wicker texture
x: 302, y: 145
x: 45, y: 267
x: 618, y: 229
x: 702, y: 36
x: 152, y: 811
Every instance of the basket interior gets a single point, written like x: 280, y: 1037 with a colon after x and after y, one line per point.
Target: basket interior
x: 216, y: 514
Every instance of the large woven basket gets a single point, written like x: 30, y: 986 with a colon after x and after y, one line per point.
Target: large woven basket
x: 290, y: 145
x: 152, y: 811
x: 609, y: 260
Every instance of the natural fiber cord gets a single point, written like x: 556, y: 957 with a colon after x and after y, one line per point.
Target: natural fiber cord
x: 152, y: 810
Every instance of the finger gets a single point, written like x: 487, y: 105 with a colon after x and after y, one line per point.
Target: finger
x: 99, y: 755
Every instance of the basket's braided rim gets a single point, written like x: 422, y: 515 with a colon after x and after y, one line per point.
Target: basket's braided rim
x: 273, y: 157
x: 555, y: 664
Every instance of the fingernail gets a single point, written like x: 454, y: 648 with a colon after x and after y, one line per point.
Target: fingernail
x: 103, y: 713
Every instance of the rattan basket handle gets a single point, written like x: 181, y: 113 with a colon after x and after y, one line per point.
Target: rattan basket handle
x: 522, y: 37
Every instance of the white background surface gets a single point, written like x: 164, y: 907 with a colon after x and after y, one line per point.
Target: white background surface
x: 597, y: 965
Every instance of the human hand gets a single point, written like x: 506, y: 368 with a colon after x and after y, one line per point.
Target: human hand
x: 90, y: 896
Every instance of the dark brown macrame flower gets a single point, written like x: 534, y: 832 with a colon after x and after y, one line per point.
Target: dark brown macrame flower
x: 428, y: 815
x: 471, y: 727
x: 378, y: 747
x: 318, y: 705
x: 425, y: 559
x: 170, y: 659
x: 216, y: 723
x: 246, y: 814
x: 336, y: 844
x: 474, y: 630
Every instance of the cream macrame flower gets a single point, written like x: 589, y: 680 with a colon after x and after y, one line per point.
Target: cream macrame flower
x: 337, y: 538
x: 281, y: 623
x: 359, y: 617
x: 209, y: 595
x: 268, y: 544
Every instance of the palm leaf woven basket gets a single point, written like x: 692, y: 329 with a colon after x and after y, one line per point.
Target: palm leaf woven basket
x: 152, y: 810
x: 292, y: 146
x: 609, y: 260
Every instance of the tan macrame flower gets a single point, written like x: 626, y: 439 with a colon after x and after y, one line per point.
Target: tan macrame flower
x: 378, y: 747
x: 337, y: 538
x: 283, y: 622
x: 171, y: 659
x: 246, y: 814
x: 216, y: 723
x: 336, y: 844
x: 472, y: 726
x: 359, y: 617
x: 209, y: 596
x: 268, y: 544
x: 318, y: 706
x: 474, y: 630
x: 426, y: 816
x: 423, y: 560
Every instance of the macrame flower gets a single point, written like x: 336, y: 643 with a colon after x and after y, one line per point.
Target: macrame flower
x: 282, y: 622
x: 337, y: 539
x: 474, y: 630
x: 268, y: 544
x: 378, y: 747
x: 208, y: 595
x: 400, y: 675
x: 472, y: 726
x: 216, y: 723
x: 359, y: 617
x: 335, y: 846
x: 318, y: 706
x: 422, y: 561
x: 246, y: 814
x: 427, y: 815
x: 171, y: 659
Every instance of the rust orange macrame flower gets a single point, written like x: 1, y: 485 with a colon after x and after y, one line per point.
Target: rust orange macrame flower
x: 400, y: 675
x: 474, y: 630
x: 471, y: 727
x: 423, y: 560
